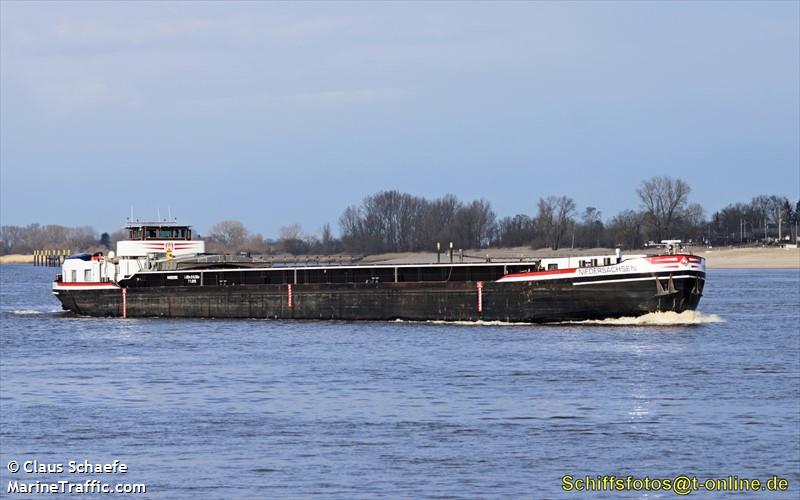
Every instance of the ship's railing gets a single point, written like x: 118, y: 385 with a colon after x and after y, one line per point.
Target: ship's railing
x: 500, y: 258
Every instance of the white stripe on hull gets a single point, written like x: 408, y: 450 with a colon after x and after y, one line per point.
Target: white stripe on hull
x: 88, y: 286
x: 665, y: 278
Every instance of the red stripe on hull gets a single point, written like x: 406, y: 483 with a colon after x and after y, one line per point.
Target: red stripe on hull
x: 540, y: 273
x: 98, y: 284
x: 660, y: 259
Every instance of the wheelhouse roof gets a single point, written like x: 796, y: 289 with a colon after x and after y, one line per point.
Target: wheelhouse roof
x: 138, y: 224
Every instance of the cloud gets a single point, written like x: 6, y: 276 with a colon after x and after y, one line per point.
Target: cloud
x: 148, y: 26
x: 339, y: 97
x: 318, y: 98
x: 71, y: 58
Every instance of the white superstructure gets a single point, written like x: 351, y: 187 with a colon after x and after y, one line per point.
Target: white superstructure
x: 146, y: 243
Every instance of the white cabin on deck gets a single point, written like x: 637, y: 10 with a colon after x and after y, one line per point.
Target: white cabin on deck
x: 87, y: 268
x: 167, y: 238
x: 555, y: 263
x: 146, y: 241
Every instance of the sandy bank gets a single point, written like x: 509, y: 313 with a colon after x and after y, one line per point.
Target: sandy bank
x: 16, y: 258
x: 751, y: 258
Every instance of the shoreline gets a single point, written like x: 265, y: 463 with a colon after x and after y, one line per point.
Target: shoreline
x: 716, y: 258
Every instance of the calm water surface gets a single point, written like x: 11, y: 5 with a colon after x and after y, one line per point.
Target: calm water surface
x: 272, y: 409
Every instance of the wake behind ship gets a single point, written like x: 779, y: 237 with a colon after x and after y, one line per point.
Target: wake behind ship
x: 161, y: 272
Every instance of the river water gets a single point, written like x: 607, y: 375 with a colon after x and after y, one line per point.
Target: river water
x: 274, y: 409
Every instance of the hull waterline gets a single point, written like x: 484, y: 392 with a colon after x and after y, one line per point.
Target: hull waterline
x: 524, y: 301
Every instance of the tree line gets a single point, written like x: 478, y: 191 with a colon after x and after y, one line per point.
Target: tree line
x: 26, y: 239
x: 391, y: 221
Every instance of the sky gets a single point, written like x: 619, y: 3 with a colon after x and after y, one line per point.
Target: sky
x: 278, y: 113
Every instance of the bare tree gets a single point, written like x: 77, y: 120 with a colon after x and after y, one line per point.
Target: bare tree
x: 387, y: 221
x: 291, y: 232
x: 80, y: 237
x: 230, y: 234
x: 118, y: 235
x: 351, y: 225
x: 438, y: 222
x: 391, y: 221
x: 474, y: 224
x: 691, y: 224
x: 592, y: 227
x: 778, y: 213
x: 12, y: 239
x: 15, y: 239
x: 255, y: 244
x: 291, y: 239
x: 515, y: 231
x: 328, y: 243
x: 555, y: 216
x: 626, y: 229
x: 728, y: 223
x: 664, y: 200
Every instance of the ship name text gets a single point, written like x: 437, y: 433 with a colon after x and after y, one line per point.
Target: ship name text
x: 589, y: 271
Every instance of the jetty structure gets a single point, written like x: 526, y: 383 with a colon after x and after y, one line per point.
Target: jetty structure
x: 160, y: 271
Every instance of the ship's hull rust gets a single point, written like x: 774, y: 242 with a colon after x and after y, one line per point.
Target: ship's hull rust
x: 531, y: 301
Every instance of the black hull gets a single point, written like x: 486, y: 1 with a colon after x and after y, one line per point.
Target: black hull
x: 527, y: 301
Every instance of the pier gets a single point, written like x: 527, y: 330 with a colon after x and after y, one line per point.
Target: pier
x: 50, y: 258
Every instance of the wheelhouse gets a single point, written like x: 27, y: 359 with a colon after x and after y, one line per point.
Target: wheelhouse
x: 140, y: 231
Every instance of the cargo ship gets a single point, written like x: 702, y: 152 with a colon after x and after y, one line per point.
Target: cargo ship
x: 160, y: 271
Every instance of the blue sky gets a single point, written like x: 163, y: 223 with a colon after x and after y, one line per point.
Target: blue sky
x: 277, y: 113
